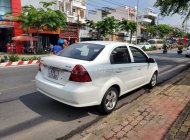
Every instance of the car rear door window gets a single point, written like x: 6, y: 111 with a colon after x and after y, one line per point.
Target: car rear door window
x: 138, y: 55
x: 82, y: 51
x: 120, y: 55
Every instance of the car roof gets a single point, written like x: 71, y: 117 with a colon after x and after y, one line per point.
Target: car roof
x: 106, y: 42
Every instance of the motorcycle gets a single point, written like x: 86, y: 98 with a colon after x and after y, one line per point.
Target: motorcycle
x: 165, y: 50
x: 180, y: 51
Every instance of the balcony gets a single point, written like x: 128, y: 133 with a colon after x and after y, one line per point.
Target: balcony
x: 149, y: 13
x: 145, y: 20
x: 79, y: 4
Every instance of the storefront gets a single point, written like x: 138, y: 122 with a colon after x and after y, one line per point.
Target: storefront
x: 70, y: 33
x: 8, y: 28
x: 47, y: 38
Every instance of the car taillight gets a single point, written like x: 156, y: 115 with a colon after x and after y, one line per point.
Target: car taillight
x: 79, y: 74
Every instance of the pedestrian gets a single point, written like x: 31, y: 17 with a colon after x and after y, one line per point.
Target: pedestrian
x: 56, y: 49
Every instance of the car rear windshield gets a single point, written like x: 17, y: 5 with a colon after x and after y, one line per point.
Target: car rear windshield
x: 82, y: 51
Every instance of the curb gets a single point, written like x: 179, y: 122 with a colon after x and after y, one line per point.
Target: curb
x: 19, y: 63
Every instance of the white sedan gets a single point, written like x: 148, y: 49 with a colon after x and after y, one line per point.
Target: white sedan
x: 146, y: 45
x: 95, y: 73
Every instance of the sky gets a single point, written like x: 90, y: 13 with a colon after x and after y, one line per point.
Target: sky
x: 174, y: 20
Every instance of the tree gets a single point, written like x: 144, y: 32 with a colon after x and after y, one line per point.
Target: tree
x: 103, y: 28
x: 152, y: 30
x: 42, y: 18
x: 164, y: 30
x: 171, y: 7
x: 177, y: 32
x: 126, y: 25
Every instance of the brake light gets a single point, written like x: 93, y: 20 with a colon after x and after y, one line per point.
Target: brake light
x: 79, y: 74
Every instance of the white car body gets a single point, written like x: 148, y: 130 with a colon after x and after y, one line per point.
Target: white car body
x: 103, y: 74
x: 144, y: 44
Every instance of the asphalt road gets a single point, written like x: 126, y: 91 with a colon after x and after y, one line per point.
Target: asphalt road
x: 27, y: 114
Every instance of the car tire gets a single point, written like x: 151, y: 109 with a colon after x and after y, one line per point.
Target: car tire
x: 153, y: 81
x: 109, y: 101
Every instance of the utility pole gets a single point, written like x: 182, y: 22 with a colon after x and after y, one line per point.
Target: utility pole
x: 137, y: 20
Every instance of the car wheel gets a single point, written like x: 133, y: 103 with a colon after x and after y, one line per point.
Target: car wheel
x: 153, y: 81
x: 109, y: 101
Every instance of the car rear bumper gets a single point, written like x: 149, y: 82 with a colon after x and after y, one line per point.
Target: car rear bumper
x: 73, y: 93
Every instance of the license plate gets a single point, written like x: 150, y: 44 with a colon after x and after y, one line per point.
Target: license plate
x: 53, y: 73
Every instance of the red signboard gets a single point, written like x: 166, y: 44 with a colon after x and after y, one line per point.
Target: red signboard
x: 184, y: 40
x: 16, y: 9
x: 70, y: 31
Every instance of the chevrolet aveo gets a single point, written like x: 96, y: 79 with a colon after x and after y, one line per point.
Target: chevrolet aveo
x: 95, y: 73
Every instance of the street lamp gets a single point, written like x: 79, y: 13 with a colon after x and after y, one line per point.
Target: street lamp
x: 137, y: 20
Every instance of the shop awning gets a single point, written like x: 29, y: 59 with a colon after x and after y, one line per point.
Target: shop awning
x: 24, y: 38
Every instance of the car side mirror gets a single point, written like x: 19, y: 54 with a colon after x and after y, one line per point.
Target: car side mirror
x: 151, y: 60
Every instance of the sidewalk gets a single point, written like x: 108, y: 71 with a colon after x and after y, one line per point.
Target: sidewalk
x: 164, y: 113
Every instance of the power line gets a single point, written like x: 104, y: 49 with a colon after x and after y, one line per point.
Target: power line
x: 117, y: 10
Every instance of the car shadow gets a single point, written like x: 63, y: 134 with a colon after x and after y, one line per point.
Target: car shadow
x: 54, y: 110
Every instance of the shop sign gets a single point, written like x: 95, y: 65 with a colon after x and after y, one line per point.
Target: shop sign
x: 44, y: 31
x: 69, y: 32
x: 5, y: 18
x: 85, y: 34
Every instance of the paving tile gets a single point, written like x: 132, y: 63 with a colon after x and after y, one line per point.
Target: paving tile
x: 131, y: 134
x: 124, y: 123
x: 109, y: 135
x: 120, y: 134
x: 117, y: 128
x: 127, y: 128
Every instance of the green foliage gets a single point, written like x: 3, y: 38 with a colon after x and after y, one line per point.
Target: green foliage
x: 164, y: 30
x: 24, y: 59
x: 42, y: 18
x: 126, y: 25
x: 177, y: 32
x: 105, y: 27
x: 171, y: 7
x: 149, y: 49
x: 13, y: 58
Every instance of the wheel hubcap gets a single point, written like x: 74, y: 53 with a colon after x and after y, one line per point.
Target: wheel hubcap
x: 111, y: 100
x: 154, y: 78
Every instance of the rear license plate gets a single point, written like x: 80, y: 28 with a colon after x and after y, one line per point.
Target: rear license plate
x: 53, y: 73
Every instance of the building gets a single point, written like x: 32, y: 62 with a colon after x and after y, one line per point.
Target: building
x: 8, y: 28
x: 147, y: 16
x: 75, y: 12
x: 124, y: 12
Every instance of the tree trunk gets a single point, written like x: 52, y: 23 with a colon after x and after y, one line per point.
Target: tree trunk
x: 131, y: 37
